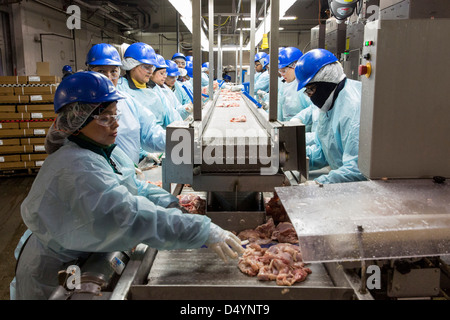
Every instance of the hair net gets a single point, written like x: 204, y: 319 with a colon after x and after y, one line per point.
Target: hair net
x: 332, y: 73
x: 68, y: 121
x: 130, y: 63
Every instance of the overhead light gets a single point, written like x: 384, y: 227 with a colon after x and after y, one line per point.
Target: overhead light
x: 184, y: 8
x: 289, y: 18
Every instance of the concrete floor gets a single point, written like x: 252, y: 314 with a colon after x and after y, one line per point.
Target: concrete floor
x: 12, y: 192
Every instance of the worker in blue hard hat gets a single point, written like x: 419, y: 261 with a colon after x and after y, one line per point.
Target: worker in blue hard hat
x: 86, y: 198
x: 339, y: 99
x: 183, y: 103
x: 290, y: 101
x: 262, y: 77
x: 205, y: 74
x: 180, y: 60
x: 67, y: 71
x: 137, y: 125
x: 139, y: 63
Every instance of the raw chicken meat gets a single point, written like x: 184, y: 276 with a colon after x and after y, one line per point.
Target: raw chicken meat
x: 268, y: 232
x: 193, y: 203
x: 281, y: 262
x: 239, y: 119
x: 285, y: 232
x: 275, y: 209
x: 227, y: 105
x: 261, y: 235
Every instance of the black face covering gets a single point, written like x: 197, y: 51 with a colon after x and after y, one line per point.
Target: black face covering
x: 323, y: 91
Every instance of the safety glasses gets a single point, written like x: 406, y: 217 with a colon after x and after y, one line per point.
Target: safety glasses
x: 107, y: 120
x: 310, y: 90
x: 148, y: 67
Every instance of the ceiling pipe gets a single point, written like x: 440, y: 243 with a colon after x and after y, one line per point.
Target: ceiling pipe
x: 105, y: 12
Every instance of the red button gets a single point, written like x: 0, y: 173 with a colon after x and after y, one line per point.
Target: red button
x: 362, y: 70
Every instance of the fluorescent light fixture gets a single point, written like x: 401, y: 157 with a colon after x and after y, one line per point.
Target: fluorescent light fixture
x: 184, y: 8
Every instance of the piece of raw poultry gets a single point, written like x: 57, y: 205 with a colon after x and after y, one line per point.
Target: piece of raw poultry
x: 248, y: 151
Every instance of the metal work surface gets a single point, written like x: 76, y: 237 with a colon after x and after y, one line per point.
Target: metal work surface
x: 370, y: 220
x: 200, y: 274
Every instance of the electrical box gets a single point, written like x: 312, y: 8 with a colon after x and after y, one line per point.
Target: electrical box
x: 404, y: 105
x: 414, y: 9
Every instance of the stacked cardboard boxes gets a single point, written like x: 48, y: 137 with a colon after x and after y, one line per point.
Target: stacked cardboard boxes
x: 26, y: 114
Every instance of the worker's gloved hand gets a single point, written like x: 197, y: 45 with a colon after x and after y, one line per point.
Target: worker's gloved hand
x: 237, y: 88
x: 219, y: 240
x: 189, y: 107
x: 265, y: 105
x: 262, y: 94
x: 295, y: 120
x: 156, y: 157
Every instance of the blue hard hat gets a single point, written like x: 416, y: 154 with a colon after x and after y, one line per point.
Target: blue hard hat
x: 87, y: 87
x: 190, y: 58
x: 227, y: 77
x: 178, y: 55
x: 287, y: 56
x: 103, y: 54
x: 205, y: 65
x: 310, y: 63
x: 141, y: 52
x: 172, y: 69
x: 160, y: 62
x: 190, y: 69
x: 67, y: 68
x: 262, y: 58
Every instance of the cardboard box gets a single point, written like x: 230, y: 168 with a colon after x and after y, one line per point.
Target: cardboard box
x: 15, y: 116
x: 39, y: 98
x: 34, y: 141
x: 43, y: 115
x: 7, y: 108
x: 35, y: 107
x: 9, y: 125
x: 15, y: 99
x: 16, y: 149
x: 34, y: 90
x: 35, y: 124
x: 6, y: 91
x: 43, y: 79
x: 12, y: 165
x: 17, y: 133
x: 13, y: 79
x: 43, y: 68
x: 9, y: 142
x: 11, y: 158
x: 33, y: 157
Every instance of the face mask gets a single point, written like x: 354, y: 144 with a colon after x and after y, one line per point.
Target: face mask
x: 323, y: 96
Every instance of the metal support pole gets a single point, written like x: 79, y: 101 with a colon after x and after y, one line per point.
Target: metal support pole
x: 241, y: 40
x: 211, y: 47
x: 219, y: 51
x: 197, y: 54
x: 273, y: 70
x: 252, y: 46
